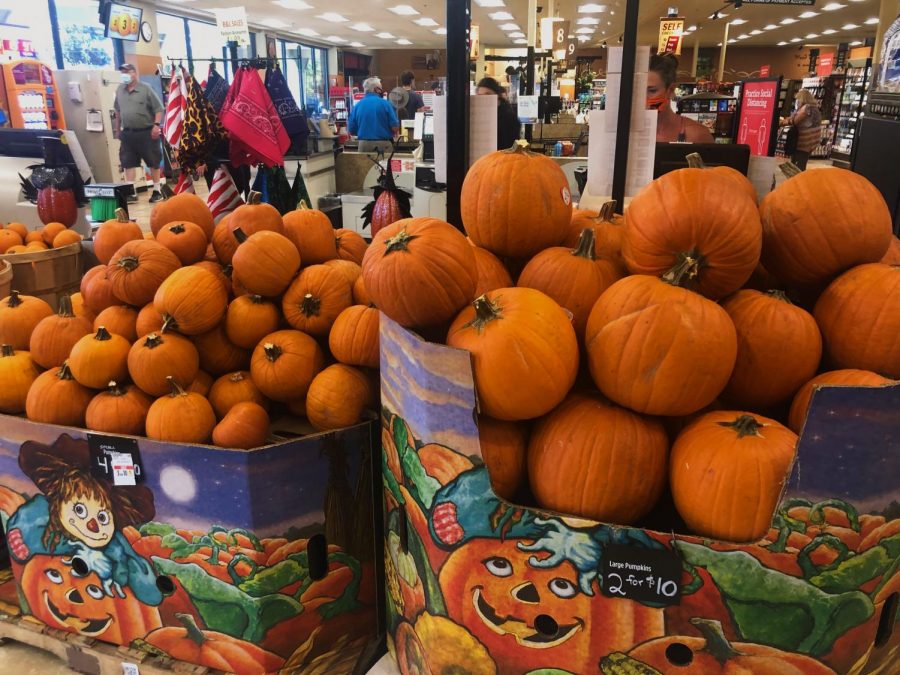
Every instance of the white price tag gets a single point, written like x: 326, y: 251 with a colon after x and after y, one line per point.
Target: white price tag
x: 130, y: 669
x: 123, y: 472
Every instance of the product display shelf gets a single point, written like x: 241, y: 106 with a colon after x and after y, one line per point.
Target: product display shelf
x: 827, y: 91
x: 850, y: 110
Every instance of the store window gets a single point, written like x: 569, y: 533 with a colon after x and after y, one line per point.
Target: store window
x: 292, y: 71
x: 314, y: 65
x: 206, y: 44
x: 172, y: 38
x: 81, y: 36
x: 24, y: 26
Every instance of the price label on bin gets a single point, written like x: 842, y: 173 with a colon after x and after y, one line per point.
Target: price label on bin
x: 641, y: 574
x: 116, y: 458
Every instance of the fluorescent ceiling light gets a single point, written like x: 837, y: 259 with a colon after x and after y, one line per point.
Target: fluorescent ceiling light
x: 756, y: 32
x: 585, y: 31
x: 849, y: 26
x: 737, y: 22
x: 732, y: 41
x: 274, y: 23
x: 384, y: 36
x: 490, y: 3
x: 588, y: 21
x: 362, y: 28
x: 856, y: 43
x: 520, y: 41
x: 293, y: 4
x: 308, y: 32
x: 795, y: 39
x: 771, y: 26
x: 808, y: 15
x: 831, y: 6
x: 516, y: 34
x: 509, y: 26
x: 872, y: 20
x: 571, y: 36
x: 782, y: 43
x: 692, y: 28
x: 743, y: 36
x: 425, y: 21
x: 357, y: 44
x: 829, y: 31
x: 335, y: 38
x: 440, y: 31
x: 812, y: 36
x: 333, y: 17
x: 404, y: 10
x: 591, y: 8
x: 788, y: 21
x: 583, y: 38
x: 501, y: 16
x: 403, y: 41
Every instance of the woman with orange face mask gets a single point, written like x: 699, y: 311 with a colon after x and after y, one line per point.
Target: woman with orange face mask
x: 670, y: 127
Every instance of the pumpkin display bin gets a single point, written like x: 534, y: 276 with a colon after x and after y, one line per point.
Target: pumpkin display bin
x: 245, y: 561
x: 477, y: 583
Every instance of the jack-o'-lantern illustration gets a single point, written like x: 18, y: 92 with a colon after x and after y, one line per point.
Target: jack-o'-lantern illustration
x: 114, y: 22
x: 530, y: 617
x: 65, y: 600
x: 132, y: 26
x: 124, y: 24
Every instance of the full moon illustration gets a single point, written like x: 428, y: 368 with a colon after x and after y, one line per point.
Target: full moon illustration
x: 178, y: 484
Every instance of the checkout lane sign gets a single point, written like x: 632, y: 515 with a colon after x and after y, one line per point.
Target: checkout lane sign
x: 670, y: 35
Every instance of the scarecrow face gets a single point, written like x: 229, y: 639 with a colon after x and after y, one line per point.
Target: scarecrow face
x: 88, y: 520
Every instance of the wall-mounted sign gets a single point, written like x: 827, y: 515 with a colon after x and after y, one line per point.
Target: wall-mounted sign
x: 670, y: 35
x: 764, y: 71
x: 232, y: 24
x: 825, y: 65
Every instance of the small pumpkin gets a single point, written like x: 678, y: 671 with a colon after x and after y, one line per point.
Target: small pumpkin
x: 350, y: 245
x: 191, y: 300
x: 119, y: 319
x: 609, y: 232
x: 156, y: 357
x: 315, y: 299
x: 55, y: 335
x: 249, y: 319
x: 218, y: 355
x: 351, y: 270
x: 223, y: 274
x: 524, y: 352
x: 96, y: 289
x: 284, y: 364
x: 233, y: 388
x: 121, y: 409
x: 12, y: 250
x: 892, y: 257
x: 265, y: 262
x: 180, y: 417
x: 17, y: 373
x: 337, y: 397
x: 726, y: 472
x: 184, y: 206
x: 848, y: 377
x: 312, y: 233
x: 79, y: 308
x: 34, y: 236
x: 255, y: 216
x: 202, y: 383
x: 360, y: 294
x: 137, y: 270
x: 114, y: 234
x: 36, y: 246
x: 223, y: 242
x: 8, y: 239
x: 56, y: 398
x: 18, y: 228
x: 50, y: 231
x: 66, y: 238
x: 185, y: 239
x: 354, y: 336
x: 504, y: 447
x: 99, y: 358
x: 19, y: 316
x: 244, y: 426
x: 148, y: 321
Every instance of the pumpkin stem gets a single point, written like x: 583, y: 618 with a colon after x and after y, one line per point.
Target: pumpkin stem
x: 272, y: 351
x: 695, y: 161
x: 486, y: 310
x: 254, y: 197
x: 64, y: 373
x: 685, y: 272
x: 237, y: 377
x: 178, y: 228
x: 129, y: 262
x: 716, y: 643
x: 779, y: 295
x: 190, y: 626
x: 169, y: 323
x: 745, y: 425
x: 102, y: 334
x: 790, y: 169
x: 113, y: 388
x: 517, y: 148
x: 122, y: 216
x: 176, y: 388
x: 152, y: 341
x: 585, y: 248
x: 256, y: 299
x: 310, y: 305
x: 14, y: 299
x: 240, y: 235
x: 65, y: 307
x: 302, y: 206
x: 399, y: 242
x: 227, y: 270
x: 7, y: 350
x: 607, y: 211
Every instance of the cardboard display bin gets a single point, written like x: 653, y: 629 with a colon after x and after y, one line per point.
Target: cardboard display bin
x: 480, y: 585
x: 266, y: 557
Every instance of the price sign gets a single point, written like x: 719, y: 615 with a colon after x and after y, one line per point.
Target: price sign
x: 643, y: 574
x: 116, y: 458
x: 670, y: 35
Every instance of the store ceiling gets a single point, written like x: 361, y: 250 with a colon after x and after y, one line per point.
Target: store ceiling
x: 844, y: 21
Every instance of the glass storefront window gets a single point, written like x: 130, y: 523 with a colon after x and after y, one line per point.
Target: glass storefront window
x: 292, y: 71
x: 28, y: 23
x: 314, y: 62
x: 172, y: 40
x: 206, y: 43
x: 81, y: 36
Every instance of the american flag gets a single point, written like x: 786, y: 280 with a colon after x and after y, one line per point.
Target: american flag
x: 185, y: 184
x: 173, y: 125
x: 223, y: 195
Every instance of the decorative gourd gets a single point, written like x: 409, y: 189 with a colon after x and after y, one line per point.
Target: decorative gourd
x: 114, y: 234
x: 233, y: 388
x: 311, y: 232
x: 185, y: 239
x: 315, y: 299
x: 183, y: 206
x: 351, y: 270
x: 503, y: 448
x: 202, y: 383
x: 574, y: 278
x: 99, y: 358
x: 524, y: 352
x: 191, y: 300
x: 284, y: 364
x: 180, y: 417
x: 265, y: 262
x: 121, y: 409
x: 79, y: 308
x: 778, y: 348
x: 816, y: 225
x: 360, y: 294
x: 354, y: 336
x: 8, y: 238
x: 218, y: 355
x: 337, y: 397
x: 491, y: 274
x: 249, y: 319
x: 17, y: 373
x: 350, y: 245
x: 659, y: 349
x: 694, y: 228
x: 66, y: 238
x: 96, y: 289
x: 55, y: 335
x: 516, y: 203
x: 137, y: 270
x: 19, y: 316
x: 56, y: 398
x: 118, y: 319
x: 223, y: 274
x: 154, y: 358
x: 420, y: 271
x: 892, y: 257
x: 609, y: 232
x: 50, y: 231
x: 849, y: 377
x: 859, y: 314
x: 148, y: 321
x: 223, y: 242
x: 244, y: 426
x: 596, y: 460
x: 726, y: 472
x: 254, y: 216
x: 57, y: 205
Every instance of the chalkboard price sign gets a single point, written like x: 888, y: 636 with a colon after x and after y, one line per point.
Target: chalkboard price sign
x: 647, y: 575
x: 116, y: 458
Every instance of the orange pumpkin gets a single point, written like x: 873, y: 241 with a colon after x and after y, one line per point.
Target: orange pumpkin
x: 337, y: 397
x: 315, y: 299
x: 79, y: 308
x: 202, y: 383
x: 17, y: 248
x: 18, y: 228
x: 56, y: 398
x: 137, y: 270
x: 114, y: 234
x: 66, y: 238
x: 892, y: 257
x: 155, y: 358
x: 36, y: 246
x: 148, y: 321
x: 249, y: 319
x: 351, y: 270
x: 354, y: 336
x: 99, y: 358
x: 234, y: 388
x: 265, y: 262
x: 609, y: 232
x: 185, y: 206
x: 19, y: 316
x: 223, y: 242
x: 284, y: 364
x: 17, y: 373
x: 503, y: 449
x: 223, y: 274
x: 218, y: 355
x: 119, y: 319
x: 360, y: 294
x: 740, y: 181
x: 185, y: 239
x: 848, y: 377
x: 34, y: 236
x: 121, y: 409
x: 191, y: 300
x: 312, y: 233
x: 8, y: 239
x: 96, y: 290
x: 245, y: 426
x: 490, y: 272
x: 55, y: 335
x: 50, y: 231
x: 254, y: 216
x: 350, y: 245
x: 180, y: 417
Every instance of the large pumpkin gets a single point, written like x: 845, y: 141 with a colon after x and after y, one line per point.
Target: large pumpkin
x: 138, y: 268
x: 255, y: 216
x: 524, y: 352
x: 284, y: 364
x: 234, y: 388
x: 180, y: 417
x: 859, y: 314
x: 726, y: 473
x: 659, y: 349
x: 121, y: 409
x: 218, y: 355
x: 249, y: 319
x: 503, y: 448
x: 516, y: 203
x: 354, y: 336
x: 265, y: 262
x: 696, y: 229
x: 312, y: 233
x: 55, y: 335
x: 157, y: 356
x: 98, y: 359
x: 113, y: 234
x: 119, y: 319
x: 609, y: 232
x: 491, y: 274
x: 19, y: 316
x: 337, y: 397
x: 96, y: 289
x: 492, y: 588
x: 849, y: 377
x: 192, y: 300
x: 17, y: 373
x: 740, y: 181
x: 56, y: 398
x: 185, y: 239
x: 184, y: 206
x: 818, y: 224
x: 315, y: 299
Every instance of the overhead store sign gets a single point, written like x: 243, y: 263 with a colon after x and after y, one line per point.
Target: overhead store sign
x: 780, y: 2
x: 232, y: 24
x: 670, y: 35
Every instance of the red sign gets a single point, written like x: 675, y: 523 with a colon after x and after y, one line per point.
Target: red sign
x: 764, y: 71
x: 757, y: 124
x: 825, y: 65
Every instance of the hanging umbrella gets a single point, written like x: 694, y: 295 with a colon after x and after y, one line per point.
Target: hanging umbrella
x: 185, y: 184
x: 254, y: 128
x: 291, y: 116
x: 202, y: 129
x: 216, y: 88
x: 223, y: 195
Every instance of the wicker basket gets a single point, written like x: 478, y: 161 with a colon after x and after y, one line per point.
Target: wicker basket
x: 47, y: 274
x: 5, y: 279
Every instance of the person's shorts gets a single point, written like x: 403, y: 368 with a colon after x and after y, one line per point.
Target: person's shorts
x: 135, y: 146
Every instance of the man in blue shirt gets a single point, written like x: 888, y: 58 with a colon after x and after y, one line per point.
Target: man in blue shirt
x: 373, y: 120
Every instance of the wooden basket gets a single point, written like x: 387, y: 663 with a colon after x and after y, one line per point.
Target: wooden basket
x: 6, y: 277
x: 46, y: 274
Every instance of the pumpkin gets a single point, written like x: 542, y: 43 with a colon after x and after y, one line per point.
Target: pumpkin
x: 575, y: 278
x: 79, y: 308
x: 739, y: 180
x: 156, y: 357
x: 57, y: 205
x: 244, y: 426
x: 609, y: 231
x: 56, y: 398
x: 816, y: 225
x: 119, y: 319
x: 148, y: 321
x: 36, y: 246
x: 50, y: 231
x: 12, y: 250
x: 503, y: 449
x: 66, y: 238
x: 233, y: 388
x: 223, y: 242
x: 218, y: 355
x: 255, y: 216
x: 137, y: 270
x: 191, y: 300
x: 360, y: 294
x: 96, y: 289
x: 17, y: 373
x: 351, y: 270
x: 315, y: 299
x: 311, y: 232
x: 848, y: 377
x: 121, y: 409
x: 659, y: 349
x: 713, y: 653
x: 859, y: 314
x: 354, y: 336
x: 350, y: 245
x: 596, y: 460
x: 490, y: 273
x: 19, y: 316
x: 726, y: 472
x: 223, y: 274
x: 695, y: 229
x: 185, y: 239
x: 516, y: 203
x: 337, y: 397
x: 249, y: 319
x: 180, y: 417
x: 18, y: 228
x: 524, y: 352
x: 185, y: 206
x: 114, y: 234
x: 265, y: 262
x: 55, y: 335
x: 420, y: 271
x: 778, y: 348
x: 892, y: 257
x: 34, y: 237
x: 8, y: 239
x: 284, y: 364
x: 99, y: 358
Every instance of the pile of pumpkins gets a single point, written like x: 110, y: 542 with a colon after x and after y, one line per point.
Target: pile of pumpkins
x: 675, y: 347
x: 195, y: 331
x: 15, y: 238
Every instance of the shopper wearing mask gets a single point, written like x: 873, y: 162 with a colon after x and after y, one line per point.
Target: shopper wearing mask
x: 508, y: 126
x: 138, y: 116
x: 670, y: 127
x: 807, y: 118
x: 415, y: 103
x: 373, y: 120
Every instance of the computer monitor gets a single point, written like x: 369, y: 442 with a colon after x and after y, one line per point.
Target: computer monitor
x: 672, y: 156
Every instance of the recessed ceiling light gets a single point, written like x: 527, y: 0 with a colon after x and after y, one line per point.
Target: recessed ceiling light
x: 440, y: 31
x: 591, y: 8
x: 856, y: 43
x: 788, y: 21
x: 308, y: 32
x: 509, y: 26
x: 808, y: 15
x: 756, y: 32
x: 771, y: 26
x: 403, y: 41
x: 425, y: 21
x: 490, y: 3
x: 571, y: 36
x: 516, y: 34
x: 743, y: 36
x: 829, y: 31
x: 811, y: 36
x: 588, y: 21
x: 384, y: 36
x: 333, y: 17
x: 501, y: 16
x: 737, y: 22
x: 274, y: 23
x: 585, y: 31
x: 520, y: 41
x: 782, y: 43
x: 362, y: 28
x: 293, y: 4
x: 357, y: 44
x: 831, y: 6
x: 732, y: 41
x: 335, y: 38
x: 872, y: 20
x: 404, y: 10
x: 795, y: 39
x: 583, y: 38
x: 692, y: 28
x: 849, y: 26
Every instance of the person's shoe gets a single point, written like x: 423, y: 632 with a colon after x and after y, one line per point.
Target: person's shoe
x: 132, y: 199
x: 156, y: 197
